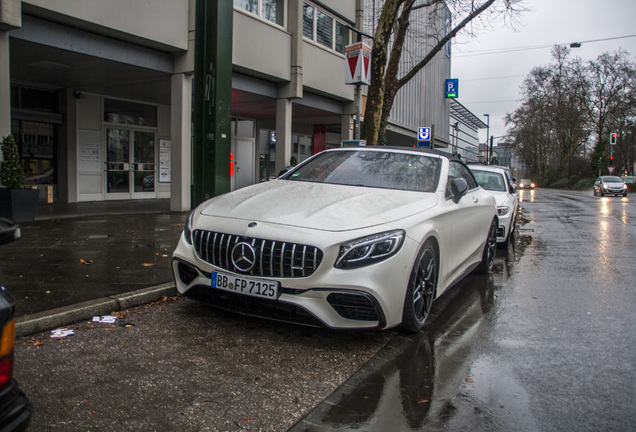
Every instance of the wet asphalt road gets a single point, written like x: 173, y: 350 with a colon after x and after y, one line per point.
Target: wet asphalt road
x: 545, y: 343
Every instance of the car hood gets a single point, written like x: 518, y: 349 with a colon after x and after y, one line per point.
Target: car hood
x: 318, y: 206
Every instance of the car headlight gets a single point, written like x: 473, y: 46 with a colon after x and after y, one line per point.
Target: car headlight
x: 503, y: 210
x: 187, y: 228
x: 369, y: 250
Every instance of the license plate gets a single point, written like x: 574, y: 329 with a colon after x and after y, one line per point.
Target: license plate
x: 248, y: 286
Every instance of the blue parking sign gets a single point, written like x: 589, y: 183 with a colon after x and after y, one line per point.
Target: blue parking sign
x: 451, y: 88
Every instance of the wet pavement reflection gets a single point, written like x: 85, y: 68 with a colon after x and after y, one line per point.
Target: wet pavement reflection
x: 416, y: 386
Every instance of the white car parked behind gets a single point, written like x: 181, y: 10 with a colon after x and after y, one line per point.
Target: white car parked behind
x: 494, y: 179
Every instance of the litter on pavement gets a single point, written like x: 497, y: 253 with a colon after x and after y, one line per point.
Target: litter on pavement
x: 62, y: 333
x: 105, y: 319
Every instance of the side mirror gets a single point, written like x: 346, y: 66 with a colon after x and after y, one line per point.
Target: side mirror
x: 285, y: 170
x: 458, y: 188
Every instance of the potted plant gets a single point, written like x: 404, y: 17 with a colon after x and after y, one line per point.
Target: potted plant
x: 16, y: 203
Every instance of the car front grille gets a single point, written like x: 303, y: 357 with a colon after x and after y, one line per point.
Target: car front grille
x: 271, y: 258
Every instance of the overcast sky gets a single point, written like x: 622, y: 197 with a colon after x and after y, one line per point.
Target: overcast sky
x: 490, y: 83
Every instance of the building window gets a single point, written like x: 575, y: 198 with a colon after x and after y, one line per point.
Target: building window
x: 132, y: 113
x: 308, y: 21
x: 342, y: 37
x: 270, y: 10
x: 324, y: 29
x: 35, y: 117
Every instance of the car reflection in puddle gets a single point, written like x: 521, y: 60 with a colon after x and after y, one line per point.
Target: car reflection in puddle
x: 440, y: 378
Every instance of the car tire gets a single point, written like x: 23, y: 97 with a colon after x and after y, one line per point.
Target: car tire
x: 421, y: 289
x: 490, y: 249
x: 595, y: 194
x: 511, y: 234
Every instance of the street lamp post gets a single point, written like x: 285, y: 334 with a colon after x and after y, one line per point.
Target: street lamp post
x: 488, y: 153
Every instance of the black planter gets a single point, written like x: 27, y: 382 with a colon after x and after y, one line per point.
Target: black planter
x: 19, y: 205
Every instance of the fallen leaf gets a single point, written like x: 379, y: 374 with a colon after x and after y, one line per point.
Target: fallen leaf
x: 38, y: 343
x: 469, y: 380
x: 147, y: 265
x: 249, y: 419
x: 87, y: 262
x: 423, y: 400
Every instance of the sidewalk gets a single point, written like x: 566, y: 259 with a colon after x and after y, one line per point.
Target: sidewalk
x: 83, y: 259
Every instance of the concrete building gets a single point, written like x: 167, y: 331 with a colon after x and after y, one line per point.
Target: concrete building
x: 98, y: 94
x: 421, y: 102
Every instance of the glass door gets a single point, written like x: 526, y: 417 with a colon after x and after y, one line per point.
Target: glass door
x: 118, y: 163
x: 143, y: 165
x: 130, y: 164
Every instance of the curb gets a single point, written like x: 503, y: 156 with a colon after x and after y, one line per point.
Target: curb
x: 66, y: 315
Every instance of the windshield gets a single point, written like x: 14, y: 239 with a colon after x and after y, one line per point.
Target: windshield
x: 610, y: 179
x: 377, y: 169
x: 491, y: 181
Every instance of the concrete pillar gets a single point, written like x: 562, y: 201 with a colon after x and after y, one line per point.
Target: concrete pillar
x: 5, y: 86
x: 283, y: 133
x: 10, y: 19
x: 181, y: 146
x: 346, y: 127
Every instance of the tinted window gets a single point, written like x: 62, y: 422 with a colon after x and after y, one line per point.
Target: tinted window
x: 376, y: 169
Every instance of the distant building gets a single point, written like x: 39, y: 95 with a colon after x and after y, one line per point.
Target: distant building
x: 421, y: 102
x: 464, y: 133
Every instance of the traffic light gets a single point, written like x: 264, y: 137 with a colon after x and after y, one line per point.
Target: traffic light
x: 611, y: 159
x: 613, y: 138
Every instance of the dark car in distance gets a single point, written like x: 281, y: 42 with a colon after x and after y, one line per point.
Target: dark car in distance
x: 15, y: 408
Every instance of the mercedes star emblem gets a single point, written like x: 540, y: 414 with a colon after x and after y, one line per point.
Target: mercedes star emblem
x: 243, y: 257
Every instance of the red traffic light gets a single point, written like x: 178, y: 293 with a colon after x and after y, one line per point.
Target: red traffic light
x: 613, y: 138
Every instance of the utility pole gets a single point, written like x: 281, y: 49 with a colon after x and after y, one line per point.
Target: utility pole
x: 488, y: 153
x: 212, y: 116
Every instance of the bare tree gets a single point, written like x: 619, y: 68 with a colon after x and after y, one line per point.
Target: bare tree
x: 609, y: 96
x: 388, y: 71
x: 575, y: 102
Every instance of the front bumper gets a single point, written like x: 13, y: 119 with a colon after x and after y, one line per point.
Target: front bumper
x: 610, y: 190
x: 370, y: 297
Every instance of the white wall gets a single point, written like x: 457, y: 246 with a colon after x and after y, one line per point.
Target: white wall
x: 160, y: 21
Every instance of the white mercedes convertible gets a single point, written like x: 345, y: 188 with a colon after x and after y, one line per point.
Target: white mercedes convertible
x: 352, y: 238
